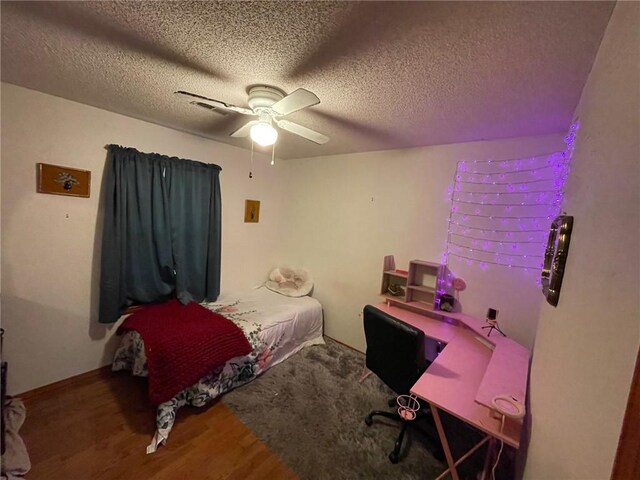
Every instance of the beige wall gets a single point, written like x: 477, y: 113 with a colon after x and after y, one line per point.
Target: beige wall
x: 349, y: 211
x: 586, y: 347
x: 51, y: 244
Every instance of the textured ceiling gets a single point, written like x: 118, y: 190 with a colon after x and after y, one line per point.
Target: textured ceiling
x: 388, y: 74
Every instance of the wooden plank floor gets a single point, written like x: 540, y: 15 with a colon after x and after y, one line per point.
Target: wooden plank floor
x: 99, y: 426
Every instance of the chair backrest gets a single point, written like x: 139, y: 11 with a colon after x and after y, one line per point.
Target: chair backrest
x: 395, y: 350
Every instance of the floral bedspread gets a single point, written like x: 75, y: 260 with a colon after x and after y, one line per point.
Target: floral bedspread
x: 237, y: 371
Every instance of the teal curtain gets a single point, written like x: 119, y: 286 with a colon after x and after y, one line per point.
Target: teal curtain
x: 162, y: 231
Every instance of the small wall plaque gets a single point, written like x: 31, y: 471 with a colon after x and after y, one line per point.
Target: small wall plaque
x: 251, y: 211
x: 59, y: 180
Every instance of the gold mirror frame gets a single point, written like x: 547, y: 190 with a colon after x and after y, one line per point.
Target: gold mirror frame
x: 555, y: 257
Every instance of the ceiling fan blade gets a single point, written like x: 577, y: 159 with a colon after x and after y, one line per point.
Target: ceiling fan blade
x: 295, y: 101
x: 304, y: 132
x: 244, y: 130
x: 211, y: 108
x: 216, y: 103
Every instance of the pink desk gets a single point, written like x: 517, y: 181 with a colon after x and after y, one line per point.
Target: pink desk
x: 470, y: 371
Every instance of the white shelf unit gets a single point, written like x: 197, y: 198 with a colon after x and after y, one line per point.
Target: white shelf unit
x: 422, y: 282
x: 391, y: 276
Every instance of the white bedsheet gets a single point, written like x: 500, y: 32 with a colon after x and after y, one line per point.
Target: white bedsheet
x: 294, y: 322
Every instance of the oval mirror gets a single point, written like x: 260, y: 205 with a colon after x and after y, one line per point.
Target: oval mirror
x: 555, y: 257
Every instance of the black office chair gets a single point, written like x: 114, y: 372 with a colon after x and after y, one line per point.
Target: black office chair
x: 396, y: 354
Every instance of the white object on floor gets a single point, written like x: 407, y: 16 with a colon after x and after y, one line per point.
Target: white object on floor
x: 15, y: 461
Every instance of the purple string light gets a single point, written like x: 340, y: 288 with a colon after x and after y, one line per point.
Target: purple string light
x: 481, y: 224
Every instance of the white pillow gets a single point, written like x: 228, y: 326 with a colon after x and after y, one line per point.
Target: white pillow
x: 290, y: 282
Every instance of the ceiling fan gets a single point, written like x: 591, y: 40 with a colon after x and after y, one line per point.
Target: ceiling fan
x: 268, y: 104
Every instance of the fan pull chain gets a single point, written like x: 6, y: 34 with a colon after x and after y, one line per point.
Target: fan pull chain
x: 251, y: 168
x: 273, y: 154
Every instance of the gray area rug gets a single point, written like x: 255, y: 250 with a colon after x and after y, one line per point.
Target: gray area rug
x: 310, y: 410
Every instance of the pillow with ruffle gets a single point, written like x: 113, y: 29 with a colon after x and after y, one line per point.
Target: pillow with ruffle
x: 292, y: 282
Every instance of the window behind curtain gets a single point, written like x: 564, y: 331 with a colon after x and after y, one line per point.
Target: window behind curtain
x: 162, y: 231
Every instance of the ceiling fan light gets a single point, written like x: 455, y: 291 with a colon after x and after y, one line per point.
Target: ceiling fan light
x: 264, y: 134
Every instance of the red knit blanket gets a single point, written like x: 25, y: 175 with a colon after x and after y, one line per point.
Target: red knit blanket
x: 183, y: 343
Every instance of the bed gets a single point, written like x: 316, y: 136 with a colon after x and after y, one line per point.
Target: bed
x: 276, y: 326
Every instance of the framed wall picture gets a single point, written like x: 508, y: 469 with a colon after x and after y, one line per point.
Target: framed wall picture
x: 58, y: 180
x: 251, y: 211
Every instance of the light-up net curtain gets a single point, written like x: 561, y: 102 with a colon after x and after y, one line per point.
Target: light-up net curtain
x: 501, y: 210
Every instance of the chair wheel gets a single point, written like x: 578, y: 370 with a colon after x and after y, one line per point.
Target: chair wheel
x: 368, y: 420
x: 393, y: 457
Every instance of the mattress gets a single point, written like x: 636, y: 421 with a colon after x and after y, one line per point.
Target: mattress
x: 276, y: 327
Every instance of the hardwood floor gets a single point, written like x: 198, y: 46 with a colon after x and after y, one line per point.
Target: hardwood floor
x: 98, y: 426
